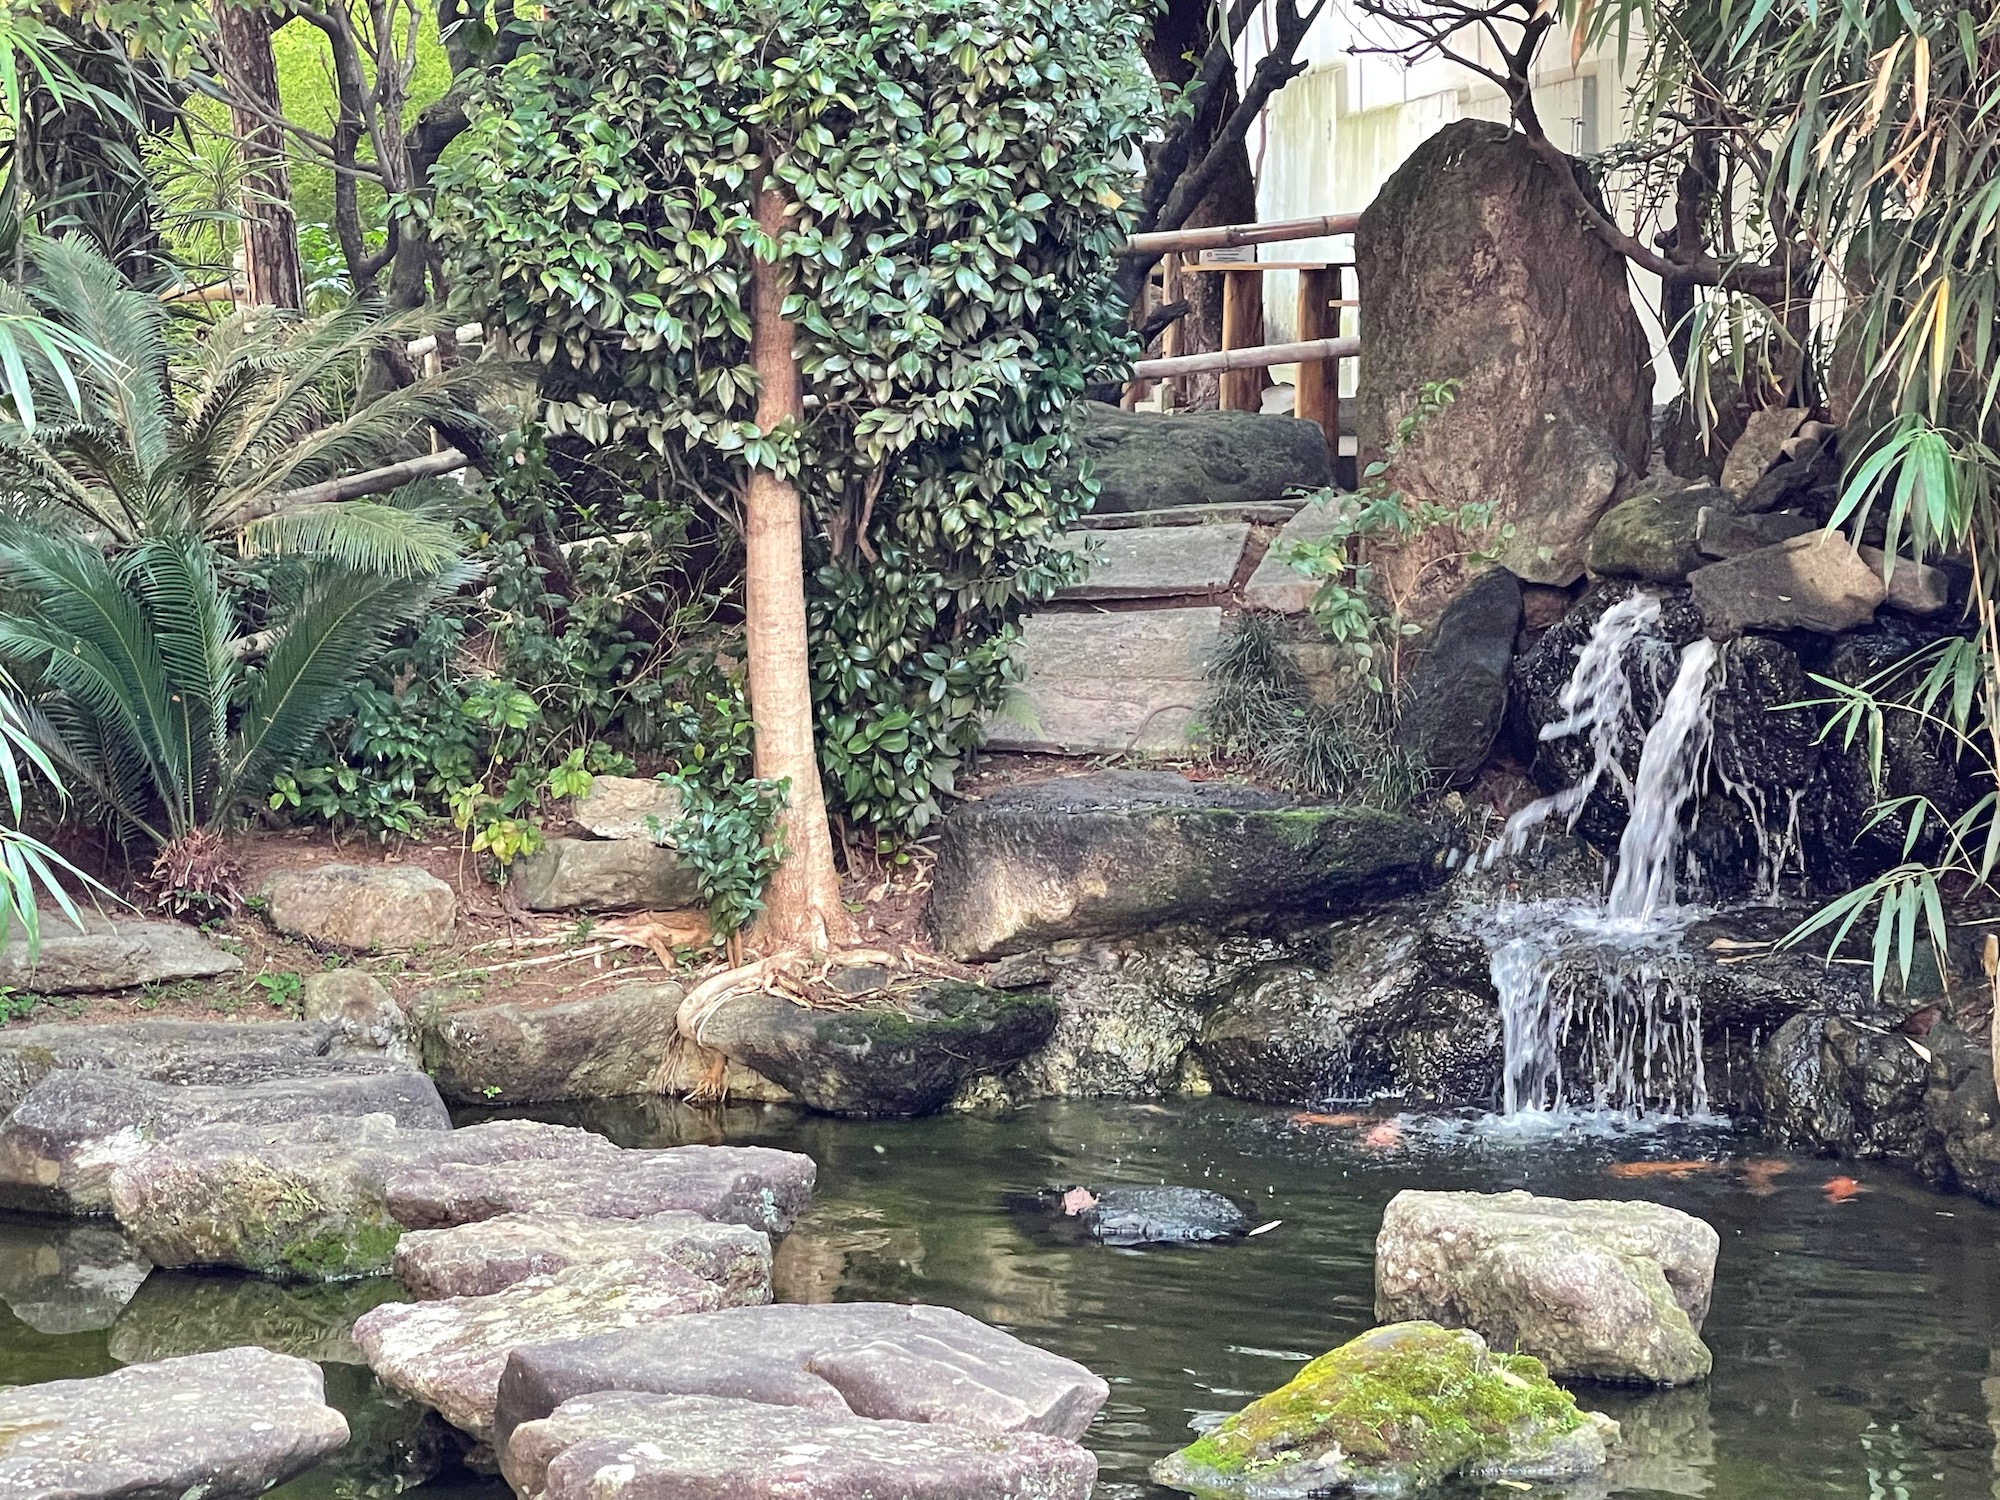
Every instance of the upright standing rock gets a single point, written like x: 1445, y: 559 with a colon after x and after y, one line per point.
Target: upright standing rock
x: 1476, y: 270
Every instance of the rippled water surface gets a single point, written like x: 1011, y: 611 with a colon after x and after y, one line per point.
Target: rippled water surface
x: 1853, y: 1340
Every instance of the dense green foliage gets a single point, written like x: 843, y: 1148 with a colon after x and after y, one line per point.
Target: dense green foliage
x: 956, y: 170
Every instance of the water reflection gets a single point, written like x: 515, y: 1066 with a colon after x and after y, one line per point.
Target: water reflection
x: 60, y: 1277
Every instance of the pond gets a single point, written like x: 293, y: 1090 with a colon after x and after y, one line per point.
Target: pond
x: 1853, y: 1331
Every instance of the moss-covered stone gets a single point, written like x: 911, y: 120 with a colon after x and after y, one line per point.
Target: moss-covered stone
x: 1396, y: 1410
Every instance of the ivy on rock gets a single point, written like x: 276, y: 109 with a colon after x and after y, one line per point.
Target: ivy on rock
x: 954, y: 172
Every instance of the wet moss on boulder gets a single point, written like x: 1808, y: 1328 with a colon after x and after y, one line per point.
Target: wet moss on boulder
x: 1398, y: 1410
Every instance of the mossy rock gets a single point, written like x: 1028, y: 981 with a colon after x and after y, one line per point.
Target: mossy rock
x: 1398, y: 1410
x: 1653, y: 535
x: 903, y: 1055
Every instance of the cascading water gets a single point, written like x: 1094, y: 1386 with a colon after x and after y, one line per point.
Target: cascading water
x: 1581, y: 984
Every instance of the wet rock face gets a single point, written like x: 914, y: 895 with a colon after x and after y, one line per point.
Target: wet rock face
x: 223, y: 1426
x: 918, y: 1364
x: 1458, y: 693
x: 1400, y: 1409
x: 618, y: 1445
x: 1553, y: 416
x: 1129, y: 851
x: 1595, y: 1290
x: 906, y: 1056
x: 598, y: 1046
x: 1146, y: 461
x: 61, y: 1145
x: 1158, y: 1215
x: 1846, y: 1088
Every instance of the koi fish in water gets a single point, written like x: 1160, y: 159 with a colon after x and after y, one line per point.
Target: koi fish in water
x: 1336, y: 1122
x: 1841, y: 1189
x: 1384, y: 1137
x: 1677, y: 1169
x: 1758, y: 1176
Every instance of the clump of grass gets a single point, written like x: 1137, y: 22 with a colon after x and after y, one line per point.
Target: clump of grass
x: 1261, y: 711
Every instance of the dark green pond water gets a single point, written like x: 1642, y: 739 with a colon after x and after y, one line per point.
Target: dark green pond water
x: 1854, y: 1341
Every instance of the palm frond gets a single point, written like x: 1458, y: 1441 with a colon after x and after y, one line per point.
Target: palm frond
x: 81, y: 290
x: 365, y: 536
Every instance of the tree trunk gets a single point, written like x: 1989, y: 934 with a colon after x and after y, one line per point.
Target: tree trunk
x: 270, y: 229
x: 802, y: 906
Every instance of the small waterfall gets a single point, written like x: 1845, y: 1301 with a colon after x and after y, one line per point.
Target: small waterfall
x: 1584, y: 983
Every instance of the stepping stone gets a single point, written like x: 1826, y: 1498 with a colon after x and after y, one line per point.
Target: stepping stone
x: 61, y: 1145
x: 1275, y: 585
x: 1155, y: 461
x: 875, y: 1359
x: 165, y: 1051
x: 476, y: 1260
x: 622, y: 1444
x: 224, y: 1426
x: 600, y: 1046
x: 449, y: 1354
x: 110, y: 954
x: 362, y: 908
x: 67, y: 1278
x: 1109, y: 684
x: 1157, y: 562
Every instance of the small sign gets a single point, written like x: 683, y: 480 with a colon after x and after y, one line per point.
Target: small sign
x: 1230, y: 255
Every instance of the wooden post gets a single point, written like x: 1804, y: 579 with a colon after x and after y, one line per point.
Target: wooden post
x: 1242, y: 328
x: 1318, y: 398
x: 1172, y: 289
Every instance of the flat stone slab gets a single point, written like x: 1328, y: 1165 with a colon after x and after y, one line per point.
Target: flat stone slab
x: 1157, y: 562
x: 476, y: 1260
x: 1109, y: 684
x: 598, y: 1046
x: 110, y: 953
x: 67, y: 1278
x: 873, y: 1359
x: 603, y: 875
x: 1155, y: 461
x: 362, y: 908
x: 61, y: 1145
x: 448, y: 1354
x: 1597, y: 1290
x: 165, y: 1051
x: 1275, y: 585
x: 224, y: 1426
x: 1812, y: 582
x: 622, y: 1444
x: 327, y: 1199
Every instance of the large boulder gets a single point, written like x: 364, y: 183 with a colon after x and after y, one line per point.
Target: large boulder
x: 63, y: 1278
x: 449, y: 1353
x: 1815, y: 581
x: 1843, y: 1087
x: 1595, y: 1290
x: 1655, y: 535
x: 603, y: 875
x: 622, y: 1446
x: 874, y: 1359
x: 490, y: 1255
x: 224, y: 1426
x: 362, y: 908
x: 1149, y: 461
x: 110, y: 953
x: 1124, y: 851
x: 165, y: 1051
x: 1479, y: 270
x: 1458, y: 693
x: 1400, y: 1409
x: 61, y: 1145
x: 1397, y: 1004
x: 905, y: 1056
x: 597, y: 1046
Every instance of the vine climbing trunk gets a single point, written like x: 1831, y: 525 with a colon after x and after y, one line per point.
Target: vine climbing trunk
x: 802, y: 906
x: 271, y: 270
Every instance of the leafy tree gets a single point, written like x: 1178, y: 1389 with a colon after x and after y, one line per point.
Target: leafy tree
x: 841, y: 265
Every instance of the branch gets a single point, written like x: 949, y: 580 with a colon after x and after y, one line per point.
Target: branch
x: 354, y: 486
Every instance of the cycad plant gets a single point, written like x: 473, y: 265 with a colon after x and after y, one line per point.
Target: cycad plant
x: 186, y: 606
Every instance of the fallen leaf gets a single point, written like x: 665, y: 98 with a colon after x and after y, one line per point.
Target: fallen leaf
x: 1840, y: 1189
x: 1634, y: 1169
x: 1263, y: 1229
x: 1077, y: 1199
x: 1919, y: 1048
x: 1758, y: 1175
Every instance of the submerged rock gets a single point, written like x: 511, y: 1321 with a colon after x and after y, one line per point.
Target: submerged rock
x: 622, y: 1444
x: 1156, y: 1215
x: 63, y: 1278
x: 920, y: 1364
x: 907, y: 1056
x: 179, y: 1313
x: 1595, y: 1290
x: 110, y: 953
x: 362, y: 908
x: 60, y: 1146
x: 224, y: 1426
x: 477, y: 1259
x: 1394, y: 1411
x: 1126, y: 851
x: 599, y: 1046
x: 449, y: 1353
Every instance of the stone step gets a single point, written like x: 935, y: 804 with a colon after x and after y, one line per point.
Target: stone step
x: 1109, y: 684
x: 1158, y: 562
x: 1276, y: 585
